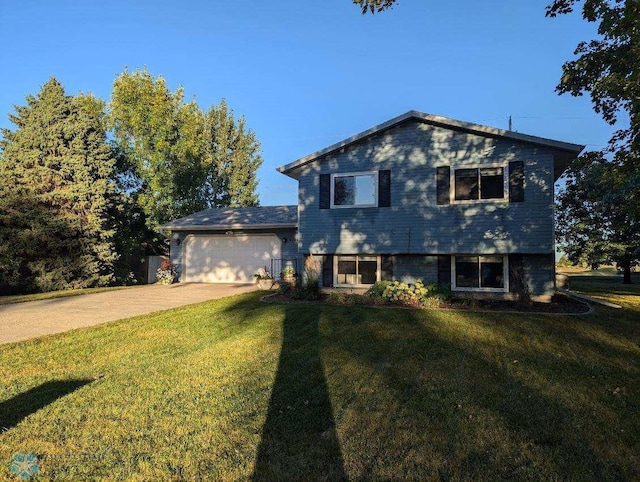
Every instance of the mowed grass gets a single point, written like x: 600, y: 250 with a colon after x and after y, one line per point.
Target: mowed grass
x: 607, y: 285
x: 239, y: 389
x: 6, y: 300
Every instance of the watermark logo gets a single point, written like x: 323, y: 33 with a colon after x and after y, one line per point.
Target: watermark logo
x: 24, y: 466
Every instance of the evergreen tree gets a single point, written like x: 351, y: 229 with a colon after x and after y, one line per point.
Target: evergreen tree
x: 56, y: 190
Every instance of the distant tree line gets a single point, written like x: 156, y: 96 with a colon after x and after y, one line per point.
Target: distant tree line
x: 85, y: 183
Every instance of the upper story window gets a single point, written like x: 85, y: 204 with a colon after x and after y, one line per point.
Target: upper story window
x: 479, y: 183
x: 483, y: 183
x: 354, y: 190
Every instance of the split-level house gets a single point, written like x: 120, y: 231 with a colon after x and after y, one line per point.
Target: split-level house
x: 419, y: 196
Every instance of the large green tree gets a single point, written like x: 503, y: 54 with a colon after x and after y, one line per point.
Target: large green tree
x: 595, y: 220
x: 56, y: 190
x: 232, y: 157
x: 608, y: 67
x: 181, y: 158
x: 599, y: 210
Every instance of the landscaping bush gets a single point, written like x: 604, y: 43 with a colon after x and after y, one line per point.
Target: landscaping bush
x: 166, y: 274
x: 309, y: 289
x: 284, y: 287
x: 377, y: 290
x: 406, y: 294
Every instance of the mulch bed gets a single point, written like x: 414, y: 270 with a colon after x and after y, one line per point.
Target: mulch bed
x: 560, y: 304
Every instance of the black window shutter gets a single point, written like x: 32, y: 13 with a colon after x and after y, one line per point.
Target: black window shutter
x: 386, y: 266
x: 325, y: 191
x: 442, y: 184
x: 444, y: 269
x: 327, y: 271
x: 384, y: 188
x: 516, y: 181
x: 516, y: 273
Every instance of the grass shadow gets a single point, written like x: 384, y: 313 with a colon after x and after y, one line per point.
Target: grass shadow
x: 299, y: 439
x: 17, y: 408
x: 449, y: 398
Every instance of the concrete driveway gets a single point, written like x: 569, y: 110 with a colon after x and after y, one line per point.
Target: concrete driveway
x: 22, y: 321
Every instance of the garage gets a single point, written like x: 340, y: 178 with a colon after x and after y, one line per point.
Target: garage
x: 229, y: 245
x: 228, y: 258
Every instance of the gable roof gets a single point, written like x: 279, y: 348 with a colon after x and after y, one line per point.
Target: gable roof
x: 259, y: 217
x: 567, y: 151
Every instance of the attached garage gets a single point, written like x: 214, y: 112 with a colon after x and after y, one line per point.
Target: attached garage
x: 228, y: 258
x: 229, y: 245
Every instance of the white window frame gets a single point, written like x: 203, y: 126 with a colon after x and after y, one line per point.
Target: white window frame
x: 505, y: 183
x: 357, y: 256
x: 354, y: 174
x: 505, y: 274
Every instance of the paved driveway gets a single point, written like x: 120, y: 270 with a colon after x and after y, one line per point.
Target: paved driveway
x: 22, y: 321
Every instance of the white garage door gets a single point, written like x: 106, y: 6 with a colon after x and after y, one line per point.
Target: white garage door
x: 228, y: 259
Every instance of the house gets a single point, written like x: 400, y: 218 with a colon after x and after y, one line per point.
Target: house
x: 420, y: 196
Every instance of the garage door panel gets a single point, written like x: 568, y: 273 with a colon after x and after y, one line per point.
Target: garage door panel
x: 228, y: 259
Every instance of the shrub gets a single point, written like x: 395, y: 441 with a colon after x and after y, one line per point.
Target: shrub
x: 166, y: 273
x: 284, y: 287
x: 399, y: 293
x: 309, y: 289
x: 377, y: 290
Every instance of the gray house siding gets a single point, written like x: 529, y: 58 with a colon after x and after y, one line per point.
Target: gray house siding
x: 289, y: 247
x: 408, y: 268
x: 539, y: 273
x: 536, y: 271
x: 415, y: 223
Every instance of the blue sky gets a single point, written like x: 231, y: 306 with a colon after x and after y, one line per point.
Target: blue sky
x: 307, y: 74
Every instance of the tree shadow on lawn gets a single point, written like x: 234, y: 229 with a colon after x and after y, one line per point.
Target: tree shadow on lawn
x: 17, y: 408
x: 447, y: 399
x: 299, y: 439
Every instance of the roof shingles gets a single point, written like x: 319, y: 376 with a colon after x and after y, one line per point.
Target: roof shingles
x: 234, y: 218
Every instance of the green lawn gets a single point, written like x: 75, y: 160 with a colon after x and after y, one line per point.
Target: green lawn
x: 6, y: 300
x: 237, y: 389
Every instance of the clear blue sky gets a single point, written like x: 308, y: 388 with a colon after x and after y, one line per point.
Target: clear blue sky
x: 306, y: 74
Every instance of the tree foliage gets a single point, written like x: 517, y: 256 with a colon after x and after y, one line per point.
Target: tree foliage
x: 181, y: 159
x: 56, y: 172
x: 608, y: 68
x: 232, y: 157
x: 599, y: 211
x: 595, y: 215
x: 374, y: 6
